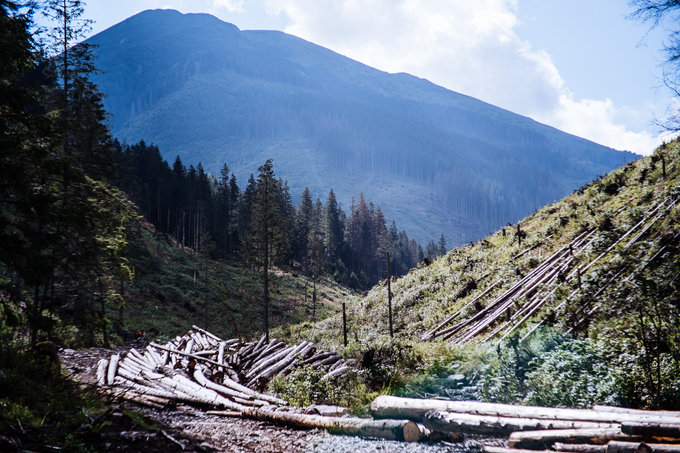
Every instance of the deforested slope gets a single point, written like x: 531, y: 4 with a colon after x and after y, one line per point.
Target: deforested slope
x: 601, y: 262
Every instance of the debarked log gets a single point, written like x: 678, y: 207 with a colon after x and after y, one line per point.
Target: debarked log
x: 386, y: 406
x: 498, y: 426
x: 539, y: 440
x: 616, y: 446
x: 666, y: 430
x: 401, y: 430
x: 494, y: 449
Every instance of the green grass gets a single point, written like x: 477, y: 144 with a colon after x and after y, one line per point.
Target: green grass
x: 165, y: 296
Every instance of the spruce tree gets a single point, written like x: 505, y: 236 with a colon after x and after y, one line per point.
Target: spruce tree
x: 269, y: 226
x: 303, y: 220
x: 442, y: 245
x: 334, y: 233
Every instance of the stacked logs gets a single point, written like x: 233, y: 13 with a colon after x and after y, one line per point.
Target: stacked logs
x: 602, y: 429
x: 201, y: 368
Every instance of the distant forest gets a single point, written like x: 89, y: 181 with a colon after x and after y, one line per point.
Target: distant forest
x: 212, y: 215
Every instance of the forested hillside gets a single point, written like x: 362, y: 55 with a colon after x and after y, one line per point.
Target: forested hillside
x: 434, y: 160
x: 215, y: 217
x: 574, y: 305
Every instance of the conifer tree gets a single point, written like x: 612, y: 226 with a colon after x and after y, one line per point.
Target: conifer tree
x: 303, y: 221
x: 269, y: 225
x: 334, y: 232
x: 442, y: 245
x: 316, y: 254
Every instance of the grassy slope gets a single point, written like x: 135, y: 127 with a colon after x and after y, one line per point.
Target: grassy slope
x: 427, y: 295
x: 164, y: 296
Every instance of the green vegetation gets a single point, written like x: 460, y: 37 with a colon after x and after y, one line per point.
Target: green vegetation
x: 620, y: 322
x: 164, y: 299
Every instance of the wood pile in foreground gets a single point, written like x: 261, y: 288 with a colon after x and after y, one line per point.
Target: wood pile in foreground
x: 602, y: 429
x: 226, y: 377
x: 206, y: 371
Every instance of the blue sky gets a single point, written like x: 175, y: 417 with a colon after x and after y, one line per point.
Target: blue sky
x: 581, y: 66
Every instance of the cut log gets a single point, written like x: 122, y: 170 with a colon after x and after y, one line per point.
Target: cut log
x: 226, y: 391
x: 205, y: 332
x: 278, y: 364
x: 579, y: 448
x: 185, y: 354
x: 317, y: 357
x: 539, y: 440
x: 402, y: 430
x: 113, y: 368
x: 627, y: 447
x: 664, y: 448
x: 386, y: 406
x: 220, y: 353
x: 498, y: 426
x: 102, y: 367
x: 327, y: 361
x: 670, y: 430
x: 267, y: 361
x: 335, y: 373
x: 492, y: 449
x: 626, y: 410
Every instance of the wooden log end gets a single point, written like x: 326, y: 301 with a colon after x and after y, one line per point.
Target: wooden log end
x: 411, y: 432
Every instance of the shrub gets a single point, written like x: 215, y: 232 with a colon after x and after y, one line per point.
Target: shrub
x: 574, y: 374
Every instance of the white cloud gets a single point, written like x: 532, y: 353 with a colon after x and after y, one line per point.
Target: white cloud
x: 234, y: 6
x: 469, y: 47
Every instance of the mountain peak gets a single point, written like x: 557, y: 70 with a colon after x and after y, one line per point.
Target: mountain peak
x: 435, y: 160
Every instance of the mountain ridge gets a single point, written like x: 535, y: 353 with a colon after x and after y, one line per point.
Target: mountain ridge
x: 436, y: 160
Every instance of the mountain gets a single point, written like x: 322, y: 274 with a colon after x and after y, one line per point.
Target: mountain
x: 434, y: 160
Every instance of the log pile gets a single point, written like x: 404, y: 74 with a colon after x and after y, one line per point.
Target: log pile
x: 602, y: 429
x: 205, y: 371
x: 201, y: 368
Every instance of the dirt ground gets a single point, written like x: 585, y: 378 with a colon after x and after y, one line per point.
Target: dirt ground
x: 189, y: 429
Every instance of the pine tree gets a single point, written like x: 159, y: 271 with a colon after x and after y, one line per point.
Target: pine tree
x: 235, y: 194
x: 303, y: 220
x: 382, y: 242
x: 316, y: 253
x: 269, y: 225
x: 431, y: 250
x: 442, y: 246
x: 334, y: 232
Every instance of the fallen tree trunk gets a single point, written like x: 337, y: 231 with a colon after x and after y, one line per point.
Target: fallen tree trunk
x: 498, y: 426
x: 579, y: 448
x: 113, y: 368
x: 402, y: 430
x: 102, y: 367
x: 386, y: 406
x: 539, y: 440
x: 625, y: 410
x: 494, y: 449
x: 668, y: 430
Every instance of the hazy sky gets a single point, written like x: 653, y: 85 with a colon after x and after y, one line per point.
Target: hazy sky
x: 580, y: 66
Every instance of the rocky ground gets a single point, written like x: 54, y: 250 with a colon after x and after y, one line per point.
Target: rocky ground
x: 189, y: 429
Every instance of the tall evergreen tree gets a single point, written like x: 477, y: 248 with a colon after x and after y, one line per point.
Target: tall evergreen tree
x: 334, y: 232
x: 316, y: 253
x: 303, y: 221
x: 269, y: 225
x: 442, y: 245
